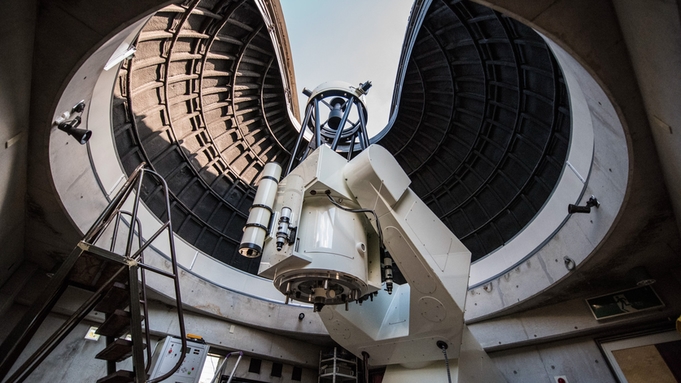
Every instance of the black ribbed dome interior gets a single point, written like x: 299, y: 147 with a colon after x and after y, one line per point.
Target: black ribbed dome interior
x: 482, y: 127
x: 483, y: 124
x: 203, y: 104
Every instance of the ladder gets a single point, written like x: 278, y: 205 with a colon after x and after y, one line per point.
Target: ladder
x: 217, y: 378
x: 124, y: 285
x: 337, y: 366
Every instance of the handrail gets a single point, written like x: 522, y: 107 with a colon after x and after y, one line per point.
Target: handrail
x: 113, y: 211
x: 53, y: 341
x: 218, y: 371
x: 138, y: 255
x: 143, y: 278
x: 18, y: 338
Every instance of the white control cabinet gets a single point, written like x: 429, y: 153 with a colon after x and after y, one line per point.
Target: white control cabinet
x: 167, y: 353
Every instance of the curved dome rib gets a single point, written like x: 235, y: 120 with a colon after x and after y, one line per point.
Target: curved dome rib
x: 482, y: 126
x: 203, y: 103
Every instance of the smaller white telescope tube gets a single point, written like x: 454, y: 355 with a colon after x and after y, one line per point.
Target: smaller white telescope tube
x: 256, y: 227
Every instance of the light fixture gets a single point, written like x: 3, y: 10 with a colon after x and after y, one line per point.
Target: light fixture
x: 71, y: 128
x: 92, y: 334
x: 584, y: 209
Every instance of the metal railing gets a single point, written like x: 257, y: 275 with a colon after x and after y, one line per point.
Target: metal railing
x: 223, y: 364
x: 132, y: 259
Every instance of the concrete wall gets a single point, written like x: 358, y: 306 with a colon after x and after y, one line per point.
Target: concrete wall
x: 433, y: 373
x: 73, y: 360
x: 66, y: 32
x: 308, y: 375
x: 75, y: 355
x: 590, y: 31
x: 17, y: 24
x: 570, y: 319
x: 652, y: 32
x: 532, y: 346
x: 578, y: 360
x: 555, y: 340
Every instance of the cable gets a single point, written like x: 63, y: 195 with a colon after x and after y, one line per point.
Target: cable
x: 388, y: 270
x: 449, y: 375
x: 378, y: 224
x: 365, y: 360
x: 443, y: 346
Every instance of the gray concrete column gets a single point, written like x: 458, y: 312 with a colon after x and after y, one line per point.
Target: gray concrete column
x: 17, y: 27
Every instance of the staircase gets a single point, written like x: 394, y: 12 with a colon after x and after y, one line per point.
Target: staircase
x: 118, y: 283
x: 117, y: 324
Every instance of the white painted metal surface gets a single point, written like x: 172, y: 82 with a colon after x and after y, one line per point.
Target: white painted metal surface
x: 404, y: 327
x: 327, y: 260
x: 340, y: 88
x: 399, y: 328
x: 261, y: 212
x: 167, y: 353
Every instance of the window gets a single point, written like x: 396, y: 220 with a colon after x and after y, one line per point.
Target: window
x: 209, y: 368
x: 254, y: 367
x: 297, y: 374
x: 276, y: 370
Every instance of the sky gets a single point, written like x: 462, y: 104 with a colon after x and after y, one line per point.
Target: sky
x: 352, y: 41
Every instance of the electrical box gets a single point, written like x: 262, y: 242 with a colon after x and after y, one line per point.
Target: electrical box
x: 168, y: 352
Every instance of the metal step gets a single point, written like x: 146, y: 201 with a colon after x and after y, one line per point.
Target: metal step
x: 115, y: 324
x: 120, y: 376
x: 110, y: 295
x: 116, y: 351
x: 117, y: 297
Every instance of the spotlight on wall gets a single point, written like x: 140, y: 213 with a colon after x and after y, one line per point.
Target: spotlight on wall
x: 71, y: 128
x: 584, y: 209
